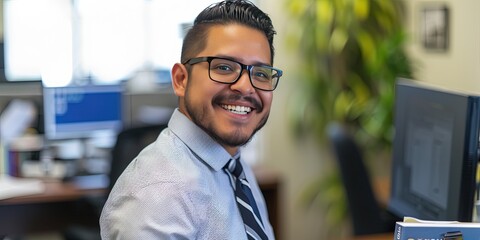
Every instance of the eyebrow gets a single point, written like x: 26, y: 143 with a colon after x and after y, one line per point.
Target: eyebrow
x: 238, y: 60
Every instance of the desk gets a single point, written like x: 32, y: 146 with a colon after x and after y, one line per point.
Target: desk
x: 58, y: 207
x: 54, y: 209
x: 383, y: 236
x: 381, y: 187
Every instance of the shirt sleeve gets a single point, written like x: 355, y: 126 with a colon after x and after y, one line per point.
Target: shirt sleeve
x: 164, y: 213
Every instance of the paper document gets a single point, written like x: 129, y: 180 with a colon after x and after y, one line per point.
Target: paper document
x: 416, y: 220
x: 14, y: 187
x: 15, y: 118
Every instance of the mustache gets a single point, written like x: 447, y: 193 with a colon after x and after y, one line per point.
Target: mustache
x: 237, y: 97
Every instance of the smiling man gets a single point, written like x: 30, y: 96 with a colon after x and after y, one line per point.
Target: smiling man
x: 191, y: 182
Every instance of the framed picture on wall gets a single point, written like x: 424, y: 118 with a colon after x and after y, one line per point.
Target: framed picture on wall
x: 435, y: 27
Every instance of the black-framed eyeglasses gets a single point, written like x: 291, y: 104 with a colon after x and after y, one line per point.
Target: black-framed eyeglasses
x: 225, y: 70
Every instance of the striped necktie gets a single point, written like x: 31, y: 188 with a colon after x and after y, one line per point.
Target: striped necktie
x: 245, y: 201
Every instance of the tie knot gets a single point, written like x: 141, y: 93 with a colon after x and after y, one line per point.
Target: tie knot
x: 235, y: 168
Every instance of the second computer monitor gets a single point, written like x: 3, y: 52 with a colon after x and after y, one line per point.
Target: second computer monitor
x: 435, y: 152
x: 82, y: 111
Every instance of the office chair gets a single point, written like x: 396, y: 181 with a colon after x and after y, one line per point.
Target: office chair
x: 128, y: 145
x: 367, y: 216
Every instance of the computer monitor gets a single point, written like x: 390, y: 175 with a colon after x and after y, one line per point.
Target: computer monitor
x: 82, y: 111
x: 435, y: 152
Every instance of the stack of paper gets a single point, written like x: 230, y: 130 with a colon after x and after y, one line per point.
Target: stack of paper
x: 14, y: 187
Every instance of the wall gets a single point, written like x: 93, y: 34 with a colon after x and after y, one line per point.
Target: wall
x: 458, y: 67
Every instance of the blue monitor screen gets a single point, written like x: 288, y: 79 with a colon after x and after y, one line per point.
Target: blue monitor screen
x: 80, y: 111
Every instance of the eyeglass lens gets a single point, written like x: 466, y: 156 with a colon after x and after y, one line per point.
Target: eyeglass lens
x: 226, y: 71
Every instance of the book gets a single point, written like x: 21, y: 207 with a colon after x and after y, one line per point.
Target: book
x: 416, y: 229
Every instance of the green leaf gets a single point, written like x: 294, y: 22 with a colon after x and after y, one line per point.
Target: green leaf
x: 361, y: 8
x: 338, y: 39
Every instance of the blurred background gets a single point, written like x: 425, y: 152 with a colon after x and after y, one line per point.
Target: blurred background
x: 340, y: 58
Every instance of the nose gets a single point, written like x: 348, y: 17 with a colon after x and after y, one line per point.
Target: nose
x: 243, y: 84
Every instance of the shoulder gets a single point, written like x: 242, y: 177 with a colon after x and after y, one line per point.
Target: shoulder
x: 160, y: 163
x: 167, y: 165
x: 155, y: 207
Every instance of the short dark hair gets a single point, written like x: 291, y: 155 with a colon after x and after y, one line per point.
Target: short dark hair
x: 226, y: 12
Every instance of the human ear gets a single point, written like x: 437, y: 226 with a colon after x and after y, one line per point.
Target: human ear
x: 179, y: 79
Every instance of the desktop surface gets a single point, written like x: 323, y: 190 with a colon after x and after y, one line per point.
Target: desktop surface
x: 55, y: 191
x: 382, y: 236
x: 56, y: 208
x: 59, y: 206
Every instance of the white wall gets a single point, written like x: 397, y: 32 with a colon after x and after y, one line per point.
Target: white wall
x: 459, y: 67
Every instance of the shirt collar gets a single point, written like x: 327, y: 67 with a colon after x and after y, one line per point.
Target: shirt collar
x: 199, y: 142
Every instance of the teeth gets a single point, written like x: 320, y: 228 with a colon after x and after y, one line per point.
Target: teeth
x: 237, y: 109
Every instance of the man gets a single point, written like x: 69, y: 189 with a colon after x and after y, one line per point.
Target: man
x: 189, y: 183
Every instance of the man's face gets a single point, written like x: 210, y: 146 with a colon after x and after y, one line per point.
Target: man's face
x: 209, y: 103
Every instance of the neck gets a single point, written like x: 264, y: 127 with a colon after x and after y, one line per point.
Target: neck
x: 231, y: 150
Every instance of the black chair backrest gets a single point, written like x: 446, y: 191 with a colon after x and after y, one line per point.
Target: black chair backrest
x: 129, y: 143
x: 367, y: 216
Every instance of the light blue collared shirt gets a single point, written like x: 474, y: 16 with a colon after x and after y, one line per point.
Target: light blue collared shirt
x: 176, y: 188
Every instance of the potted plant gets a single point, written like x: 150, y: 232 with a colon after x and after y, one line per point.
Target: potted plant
x: 351, y: 53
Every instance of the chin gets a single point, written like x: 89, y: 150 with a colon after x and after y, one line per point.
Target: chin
x: 233, y: 138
